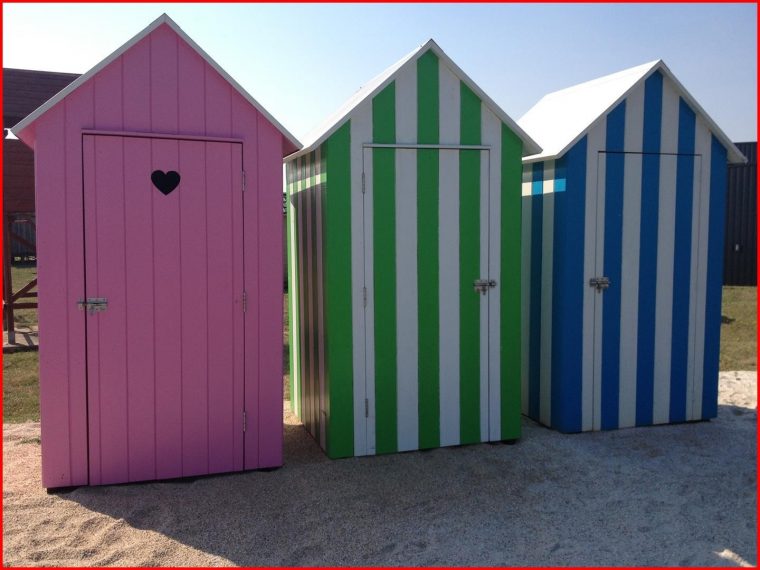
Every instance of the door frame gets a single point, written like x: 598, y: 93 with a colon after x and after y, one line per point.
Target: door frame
x: 366, y: 385
x: 86, y: 332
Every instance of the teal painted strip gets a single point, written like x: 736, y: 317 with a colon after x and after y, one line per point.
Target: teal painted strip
x: 338, y: 306
x: 427, y: 252
x: 469, y: 268
x: 511, y: 231
x: 384, y: 252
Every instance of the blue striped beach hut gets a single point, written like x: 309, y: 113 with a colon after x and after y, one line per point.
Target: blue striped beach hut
x: 622, y: 254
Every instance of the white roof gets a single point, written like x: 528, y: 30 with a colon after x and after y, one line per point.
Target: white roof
x: 162, y: 19
x: 561, y: 118
x: 317, y: 136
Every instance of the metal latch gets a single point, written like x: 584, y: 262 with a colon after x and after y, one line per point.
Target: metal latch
x: 483, y: 285
x: 599, y: 283
x: 93, y: 304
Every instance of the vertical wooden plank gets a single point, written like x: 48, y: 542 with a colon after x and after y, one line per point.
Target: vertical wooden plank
x: 246, y: 121
x: 191, y: 77
x: 79, y: 111
x: 54, y: 401
x: 111, y: 323
x: 193, y: 256
x: 221, y: 307
x: 218, y: 105
x: 108, y: 97
x: 269, y: 222
x: 164, y: 90
x: 236, y: 246
x: 168, y: 315
x: 91, y: 288
x: 141, y: 332
x: 136, y: 87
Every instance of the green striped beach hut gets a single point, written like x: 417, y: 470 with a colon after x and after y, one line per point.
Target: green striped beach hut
x: 403, y: 238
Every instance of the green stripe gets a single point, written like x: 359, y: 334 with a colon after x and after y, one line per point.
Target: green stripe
x: 427, y: 251
x: 292, y: 290
x: 323, y: 196
x: 314, y: 297
x: 469, y: 268
x: 511, y: 220
x: 384, y: 251
x: 337, y: 236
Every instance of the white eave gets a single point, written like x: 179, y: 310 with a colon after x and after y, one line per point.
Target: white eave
x: 378, y: 83
x: 162, y: 19
x: 562, y: 118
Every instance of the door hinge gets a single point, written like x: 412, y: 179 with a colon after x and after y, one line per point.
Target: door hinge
x: 245, y: 301
x: 244, y: 181
x: 366, y: 407
x: 364, y: 189
x: 364, y: 295
x: 93, y: 304
x: 245, y: 420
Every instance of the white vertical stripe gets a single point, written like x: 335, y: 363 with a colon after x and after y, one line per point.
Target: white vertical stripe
x: 448, y: 248
x: 320, y: 310
x: 549, y: 176
x: 407, y: 392
x: 484, y: 299
x: 601, y: 173
x: 527, y: 203
x: 663, y: 332
x: 547, y: 264
x: 629, y: 276
x: 491, y: 132
x: 361, y: 132
x: 704, y: 149
x: 595, y: 142
x: 527, y: 180
x: 406, y: 300
x: 693, y: 272
x: 302, y: 290
x: 309, y: 202
x: 293, y: 286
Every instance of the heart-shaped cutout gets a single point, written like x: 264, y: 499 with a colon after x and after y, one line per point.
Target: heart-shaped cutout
x: 165, y: 181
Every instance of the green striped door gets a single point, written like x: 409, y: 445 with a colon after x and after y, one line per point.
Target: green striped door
x: 426, y: 328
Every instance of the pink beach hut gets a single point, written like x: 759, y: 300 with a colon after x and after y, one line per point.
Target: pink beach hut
x: 159, y: 219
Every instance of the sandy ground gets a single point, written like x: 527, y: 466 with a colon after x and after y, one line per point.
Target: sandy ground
x: 670, y: 495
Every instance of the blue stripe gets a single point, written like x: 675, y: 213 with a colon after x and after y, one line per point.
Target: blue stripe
x: 560, y: 175
x: 650, y: 182
x: 613, y: 255
x: 537, y: 187
x: 536, y: 249
x: 718, y: 174
x: 682, y: 262
x: 567, y: 295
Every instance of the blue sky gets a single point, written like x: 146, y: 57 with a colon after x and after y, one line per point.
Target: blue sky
x: 302, y: 61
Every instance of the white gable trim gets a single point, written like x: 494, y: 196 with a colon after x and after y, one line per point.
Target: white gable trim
x: 162, y: 19
x: 382, y: 80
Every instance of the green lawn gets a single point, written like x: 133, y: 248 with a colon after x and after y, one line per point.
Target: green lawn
x: 738, y: 352
x: 21, y: 275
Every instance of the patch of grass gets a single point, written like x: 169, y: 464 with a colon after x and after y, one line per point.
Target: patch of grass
x: 21, y: 275
x: 738, y: 333
x: 21, y: 387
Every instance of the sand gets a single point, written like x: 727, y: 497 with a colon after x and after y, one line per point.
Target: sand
x: 668, y: 495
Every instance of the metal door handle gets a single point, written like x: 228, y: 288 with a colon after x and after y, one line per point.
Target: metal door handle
x: 483, y: 285
x: 93, y: 304
x: 599, y: 283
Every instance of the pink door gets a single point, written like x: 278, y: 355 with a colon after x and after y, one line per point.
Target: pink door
x: 164, y: 286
